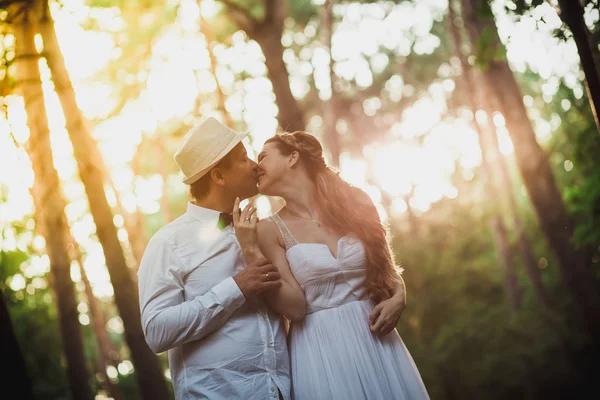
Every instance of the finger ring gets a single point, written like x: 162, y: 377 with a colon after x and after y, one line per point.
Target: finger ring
x: 246, y: 219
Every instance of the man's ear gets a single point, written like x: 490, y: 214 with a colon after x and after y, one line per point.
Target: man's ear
x: 217, y: 176
x: 294, y: 158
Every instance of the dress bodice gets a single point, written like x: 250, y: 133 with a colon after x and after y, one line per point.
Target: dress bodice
x: 328, y: 280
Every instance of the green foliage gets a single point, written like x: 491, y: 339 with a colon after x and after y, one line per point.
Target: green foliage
x: 487, y: 48
x: 35, y: 323
x: 458, y: 326
x: 574, y: 147
x: 10, y: 263
x: 464, y: 338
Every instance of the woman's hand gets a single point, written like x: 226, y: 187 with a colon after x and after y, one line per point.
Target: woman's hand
x: 386, y: 315
x: 244, y: 222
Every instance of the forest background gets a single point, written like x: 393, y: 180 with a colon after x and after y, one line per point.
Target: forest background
x: 473, y: 125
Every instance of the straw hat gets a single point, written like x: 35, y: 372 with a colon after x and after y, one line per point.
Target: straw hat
x: 203, y: 147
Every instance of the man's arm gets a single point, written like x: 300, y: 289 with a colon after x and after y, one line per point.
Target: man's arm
x: 169, y: 321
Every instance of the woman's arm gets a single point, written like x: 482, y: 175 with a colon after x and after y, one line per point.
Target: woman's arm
x: 289, y: 299
x: 386, y: 315
x: 259, y: 240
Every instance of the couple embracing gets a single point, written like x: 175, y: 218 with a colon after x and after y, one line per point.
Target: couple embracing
x: 217, y: 286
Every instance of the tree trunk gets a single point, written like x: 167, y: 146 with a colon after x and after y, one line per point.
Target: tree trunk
x: 290, y: 115
x: 107, y: 354
x: 497, y: 224
x: 50, y: 202
x: 165, y: 206
x: 329, y: 113
x: 571, y: 12
x: 535, y: 169
x: 497, y: 164
x: 135, y: 231
x: 12, y: 357
x: 511, y: 282
x: 267, y: 33
x: 150, y: 377
x: 523, y: 243
x: 594, y: 41
x: 209, y: 38
x: 131, y: 221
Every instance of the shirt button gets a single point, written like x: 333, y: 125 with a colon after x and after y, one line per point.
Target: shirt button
x: 273, y: 389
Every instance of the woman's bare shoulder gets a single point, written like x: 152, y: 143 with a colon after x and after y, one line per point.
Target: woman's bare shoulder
x: 267, y: 230
x: 268, y: 234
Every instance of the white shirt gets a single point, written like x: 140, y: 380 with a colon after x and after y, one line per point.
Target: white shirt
x: 220, y: 345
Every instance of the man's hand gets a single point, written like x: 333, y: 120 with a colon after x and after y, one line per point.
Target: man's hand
x: 244, y: 222
x: 385, y: 315
x: 257, y: 277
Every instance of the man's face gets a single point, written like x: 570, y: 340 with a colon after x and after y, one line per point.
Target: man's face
x: 240, y: 177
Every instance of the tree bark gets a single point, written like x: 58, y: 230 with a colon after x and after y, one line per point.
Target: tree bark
x: 492, y: 188
x: 209, y: 38
x: 535, y: 169
x: 267, y: 33
x: 12, y: 357
x: 165, y: 206
x: 523, y: 243
x: 150, y: 377
x: 49, y: 201
x: 135, y: 230
x: 290, y: 116
x: 107, y: 354
x: 571, y: 12
x: 329, y: 113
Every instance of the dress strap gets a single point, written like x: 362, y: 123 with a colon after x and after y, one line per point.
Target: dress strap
x: 288, y: 239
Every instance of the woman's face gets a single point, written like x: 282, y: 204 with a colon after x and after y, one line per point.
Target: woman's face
x: 272, y: 167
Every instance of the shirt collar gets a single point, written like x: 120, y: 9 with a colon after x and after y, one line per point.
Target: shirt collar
x: 205, y: 215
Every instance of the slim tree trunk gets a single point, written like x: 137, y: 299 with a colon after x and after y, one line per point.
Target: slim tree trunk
x: 492, y: 188
x: 267, y: 33
x: 10, y: 353
x: 49, y: 200
x: 107, y: 354
x: 165, y: 206
x: 473, y: 79
x: 134, y: 230
x: 571, y: 12
x: 534, y: 167
x: 511, y: 282
x: 329, y: 113
x: 150, y: 378
x: 209, y: 38
x: 290, y: 115
x: 594, y: 41
x: 523, y: 243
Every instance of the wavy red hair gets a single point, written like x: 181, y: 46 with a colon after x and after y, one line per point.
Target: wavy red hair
x: 345, y: 209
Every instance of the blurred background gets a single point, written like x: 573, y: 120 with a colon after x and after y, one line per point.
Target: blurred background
x: 470, y: 123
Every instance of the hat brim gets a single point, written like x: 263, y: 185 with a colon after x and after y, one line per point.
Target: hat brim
x: 234, y: 142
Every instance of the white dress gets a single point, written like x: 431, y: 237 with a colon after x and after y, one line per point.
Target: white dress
x: 333, y: 353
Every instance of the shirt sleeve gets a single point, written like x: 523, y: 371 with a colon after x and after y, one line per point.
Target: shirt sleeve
x: 169, y: 321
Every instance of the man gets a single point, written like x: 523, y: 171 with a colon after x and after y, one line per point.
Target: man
x: 199, y: 296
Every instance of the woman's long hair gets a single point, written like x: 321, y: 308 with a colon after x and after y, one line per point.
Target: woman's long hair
x: 346, y: 209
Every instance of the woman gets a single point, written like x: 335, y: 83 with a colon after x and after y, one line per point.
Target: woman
x: 330, y: 237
